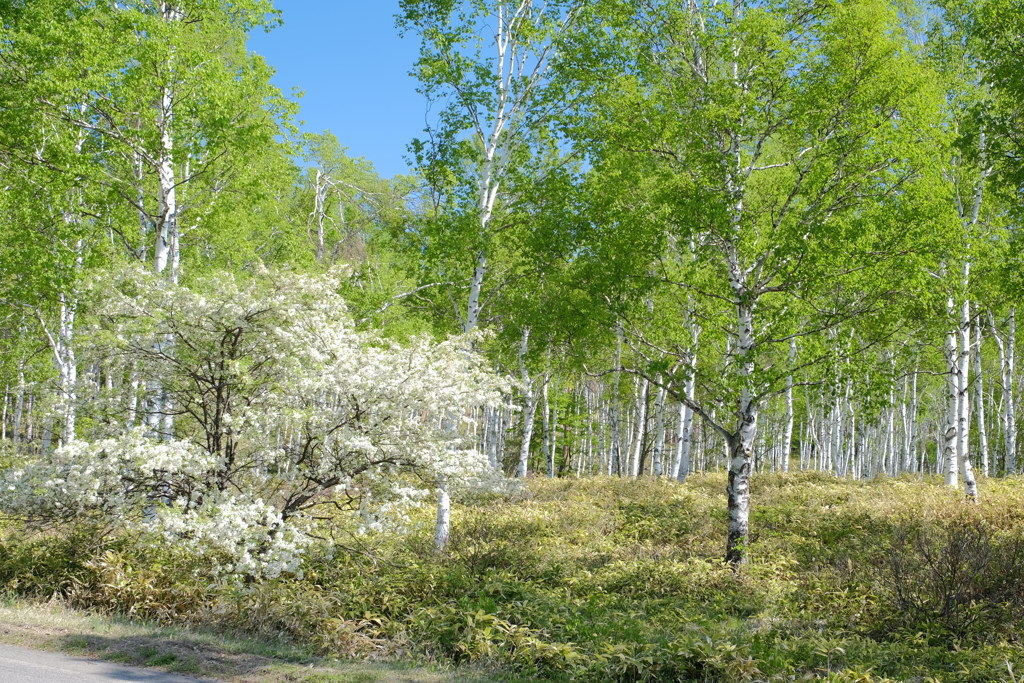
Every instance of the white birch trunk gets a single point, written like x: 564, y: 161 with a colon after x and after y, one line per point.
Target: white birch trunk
x: 615, y: 452
x: 641, y: 427
x: 442, y: 529
x: 132, y: 400
x: 553, y: 438
x: 890, y: 431
x: 963, y: 395
x: 949, y: 429
x: 19, y: 406
x: 529, y: 406
x: 1009, y: 401
x: 30, y: 419
x: 167, y: 251
x: 659, y: 439
x: 61, y: 343
x: 68, y: 366
x: 475, y: 287
x: 545, y: 414
x: 320, y: 187
x: 681, y: 464
x: 853, y: 467
x: 980, y: 402
x: 685, y: 447
x: 787, y: 439
x: 912, y: 436
x: 742, y: 442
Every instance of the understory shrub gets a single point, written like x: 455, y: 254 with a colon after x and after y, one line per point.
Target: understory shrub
x: 270, y: 416
x: 955, y: 578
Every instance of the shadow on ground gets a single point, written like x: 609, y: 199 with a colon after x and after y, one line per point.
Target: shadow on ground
x: 198, y: 659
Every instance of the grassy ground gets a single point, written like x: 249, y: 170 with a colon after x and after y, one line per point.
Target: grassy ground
x: 616, y: 580
x: 196, y: 652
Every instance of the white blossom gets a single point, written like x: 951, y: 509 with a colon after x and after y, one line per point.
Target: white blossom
x: 284, y: 406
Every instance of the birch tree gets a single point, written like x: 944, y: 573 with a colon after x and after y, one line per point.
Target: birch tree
x: 489, y: 64
x: 995, y: 27
x: 172, y: 109
x: 152, y: 116
x: 775, y: 137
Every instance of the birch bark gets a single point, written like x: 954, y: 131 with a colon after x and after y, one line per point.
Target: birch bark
x: 741, y: 443
x: 553, y: 445
x: 1008, y: 412
x: 979, y: 401
x: 641, y: 426
x: 685, y: 445
x: 529, y: 406
x: 658, y: 464
x: 1010, y: 401
x: 615, y: 453
x: 963, y: 394
x: 952, y: 398
x: 167, y: 251
x: 787, y: 439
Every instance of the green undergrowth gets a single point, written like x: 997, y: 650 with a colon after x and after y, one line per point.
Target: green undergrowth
x: 615, y: 580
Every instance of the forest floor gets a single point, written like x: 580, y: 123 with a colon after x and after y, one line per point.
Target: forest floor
x: 595, y: 579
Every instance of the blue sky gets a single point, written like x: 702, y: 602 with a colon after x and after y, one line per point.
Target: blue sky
x: 348, y: 59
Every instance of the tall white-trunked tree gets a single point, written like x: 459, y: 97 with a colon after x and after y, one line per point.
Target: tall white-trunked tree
x: 967, y: 167
x: 488, y: 62
x: 995, y: 27
x: 774, y: 135
x: 164, y: 111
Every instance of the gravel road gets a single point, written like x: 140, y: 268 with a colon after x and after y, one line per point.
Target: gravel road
x: 22, y: 665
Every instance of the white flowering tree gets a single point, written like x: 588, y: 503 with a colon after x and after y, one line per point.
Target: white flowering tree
x: 285, y: 417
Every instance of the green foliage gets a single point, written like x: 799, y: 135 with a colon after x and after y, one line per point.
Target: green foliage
x: 616, y: 580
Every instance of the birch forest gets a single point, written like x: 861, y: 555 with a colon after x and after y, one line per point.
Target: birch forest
x: 685, y: 351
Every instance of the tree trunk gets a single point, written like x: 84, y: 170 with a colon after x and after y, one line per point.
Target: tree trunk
x: 475, y: 287
x: 963, y: 396
x: 320, y: 187
x: 19, y: 406
x: 949, y: 429
x: 1009, y: 402
x: 787, y: 439
x: 741, y: 443
x: 659, y: 439
x: 68, y: 366
x: 980, y: 402
x: 529, y: 407
x: 545, y: 422
x: 553, y: 437
x: 442, y: 529
x: 685, y: 446
x: 615, y: 454
x: 167, y: 252
x: 641, y: 427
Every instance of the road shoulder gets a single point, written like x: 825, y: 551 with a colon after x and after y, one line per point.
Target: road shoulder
x: 54, y: 628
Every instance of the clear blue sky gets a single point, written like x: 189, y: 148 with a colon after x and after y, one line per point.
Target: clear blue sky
x: 348, y: 59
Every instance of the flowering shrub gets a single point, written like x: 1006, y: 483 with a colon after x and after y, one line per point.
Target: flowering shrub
x: 265, y: 412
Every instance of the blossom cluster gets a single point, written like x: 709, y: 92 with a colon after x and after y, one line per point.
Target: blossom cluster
x: 266, y: 406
